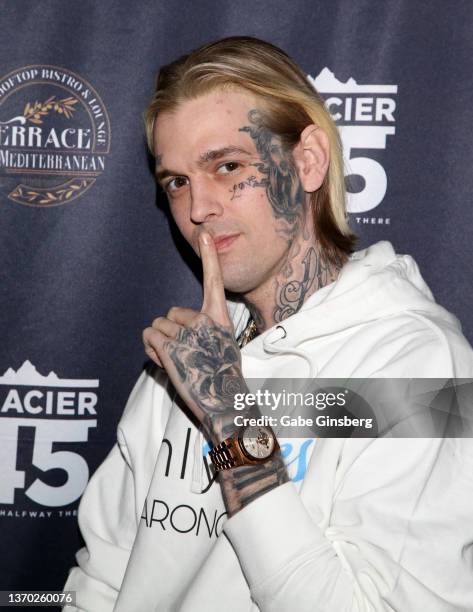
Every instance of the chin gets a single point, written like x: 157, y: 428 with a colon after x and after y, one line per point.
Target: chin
x: 237, y: 287
x: 236, y: 281
x: 245, y: 274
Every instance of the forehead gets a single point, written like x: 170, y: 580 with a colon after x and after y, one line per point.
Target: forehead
x: 210, y: 121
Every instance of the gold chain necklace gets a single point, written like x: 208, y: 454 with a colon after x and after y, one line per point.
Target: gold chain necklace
x: 248, y: 334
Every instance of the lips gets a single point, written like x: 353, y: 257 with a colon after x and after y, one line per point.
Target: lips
x: 222, y: 243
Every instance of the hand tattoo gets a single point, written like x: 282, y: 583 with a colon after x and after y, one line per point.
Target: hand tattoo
x: 207, y: 359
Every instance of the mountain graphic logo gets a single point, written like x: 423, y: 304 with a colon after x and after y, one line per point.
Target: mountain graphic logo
x: 326, y: 82
x: 28, y: 375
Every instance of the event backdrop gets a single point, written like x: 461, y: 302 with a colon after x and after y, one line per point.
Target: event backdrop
x: 88, y: 256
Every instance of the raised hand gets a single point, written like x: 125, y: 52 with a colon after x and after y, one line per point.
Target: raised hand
x: 198, y: 350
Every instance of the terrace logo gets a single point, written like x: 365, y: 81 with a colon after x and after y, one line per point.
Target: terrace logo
x: 54, y: 136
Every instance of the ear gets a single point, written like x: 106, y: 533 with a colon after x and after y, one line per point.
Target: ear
x: 312, y: 157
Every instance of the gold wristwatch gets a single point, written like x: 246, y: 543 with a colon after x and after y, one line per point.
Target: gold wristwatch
x: 250, y: 445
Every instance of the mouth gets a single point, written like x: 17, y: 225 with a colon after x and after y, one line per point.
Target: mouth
x: 223, y: 243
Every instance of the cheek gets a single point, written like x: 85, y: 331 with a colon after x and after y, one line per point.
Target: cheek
x: 263, y: 209
x: 181, y: 217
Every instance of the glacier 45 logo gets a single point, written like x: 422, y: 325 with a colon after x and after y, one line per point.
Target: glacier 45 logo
x: 365, y: 116
x: 40, y: 416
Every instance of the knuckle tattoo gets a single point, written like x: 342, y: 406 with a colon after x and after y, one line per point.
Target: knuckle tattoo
x: 203, y: 320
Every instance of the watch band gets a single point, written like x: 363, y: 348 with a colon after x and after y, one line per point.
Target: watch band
x: 225, y: 455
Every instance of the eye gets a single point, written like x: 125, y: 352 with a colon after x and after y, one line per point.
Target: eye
x: 228, y: 167
x: 175, y: 184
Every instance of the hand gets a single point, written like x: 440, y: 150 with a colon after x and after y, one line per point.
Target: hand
x: 198, y: 350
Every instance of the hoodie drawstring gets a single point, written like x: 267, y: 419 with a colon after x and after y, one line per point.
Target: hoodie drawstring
x: 198, y: 467
x: 279, y: 333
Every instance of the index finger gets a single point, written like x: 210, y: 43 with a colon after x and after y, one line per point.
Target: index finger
x: 214, y: 304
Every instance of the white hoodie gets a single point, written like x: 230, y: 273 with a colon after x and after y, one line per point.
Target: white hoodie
x: 366, y: 524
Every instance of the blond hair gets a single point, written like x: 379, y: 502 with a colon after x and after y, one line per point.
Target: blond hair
x: 290, y: 104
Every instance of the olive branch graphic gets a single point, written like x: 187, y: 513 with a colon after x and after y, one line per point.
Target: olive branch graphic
x: 55, y: 195
x: 35, y: 112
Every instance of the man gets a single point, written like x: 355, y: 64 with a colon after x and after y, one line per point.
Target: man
x: 251, y: 164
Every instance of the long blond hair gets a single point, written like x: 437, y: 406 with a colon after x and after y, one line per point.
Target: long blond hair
x: 289, y: 104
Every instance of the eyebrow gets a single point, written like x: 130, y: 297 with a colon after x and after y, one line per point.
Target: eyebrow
x: 204, y: 159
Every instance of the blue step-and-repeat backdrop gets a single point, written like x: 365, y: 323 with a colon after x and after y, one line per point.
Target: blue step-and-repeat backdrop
x: 88, y: 257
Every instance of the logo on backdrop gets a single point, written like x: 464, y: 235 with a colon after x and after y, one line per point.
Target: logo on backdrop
x: 44, y: 423
x: 365, y: 115
x: 54, y: 136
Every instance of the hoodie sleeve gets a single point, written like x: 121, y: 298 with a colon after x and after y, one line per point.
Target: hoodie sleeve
x: 113, y: 500
x: 108, y: 525
x: 399, y: 535
x: 379, y: 525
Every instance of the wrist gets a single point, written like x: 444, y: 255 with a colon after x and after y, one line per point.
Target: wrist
x: 224, y: 425
x: 243, y: 485
x: 251, y: 445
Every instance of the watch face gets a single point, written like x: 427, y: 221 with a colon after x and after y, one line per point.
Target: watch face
x: 258, y: 442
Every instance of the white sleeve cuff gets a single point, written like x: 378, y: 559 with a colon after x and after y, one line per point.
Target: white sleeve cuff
x: 272, y: 530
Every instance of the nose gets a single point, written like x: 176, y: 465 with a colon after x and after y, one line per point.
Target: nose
x: 205, y: 202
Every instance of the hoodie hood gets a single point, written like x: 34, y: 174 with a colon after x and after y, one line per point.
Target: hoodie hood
x: 374, y: 284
